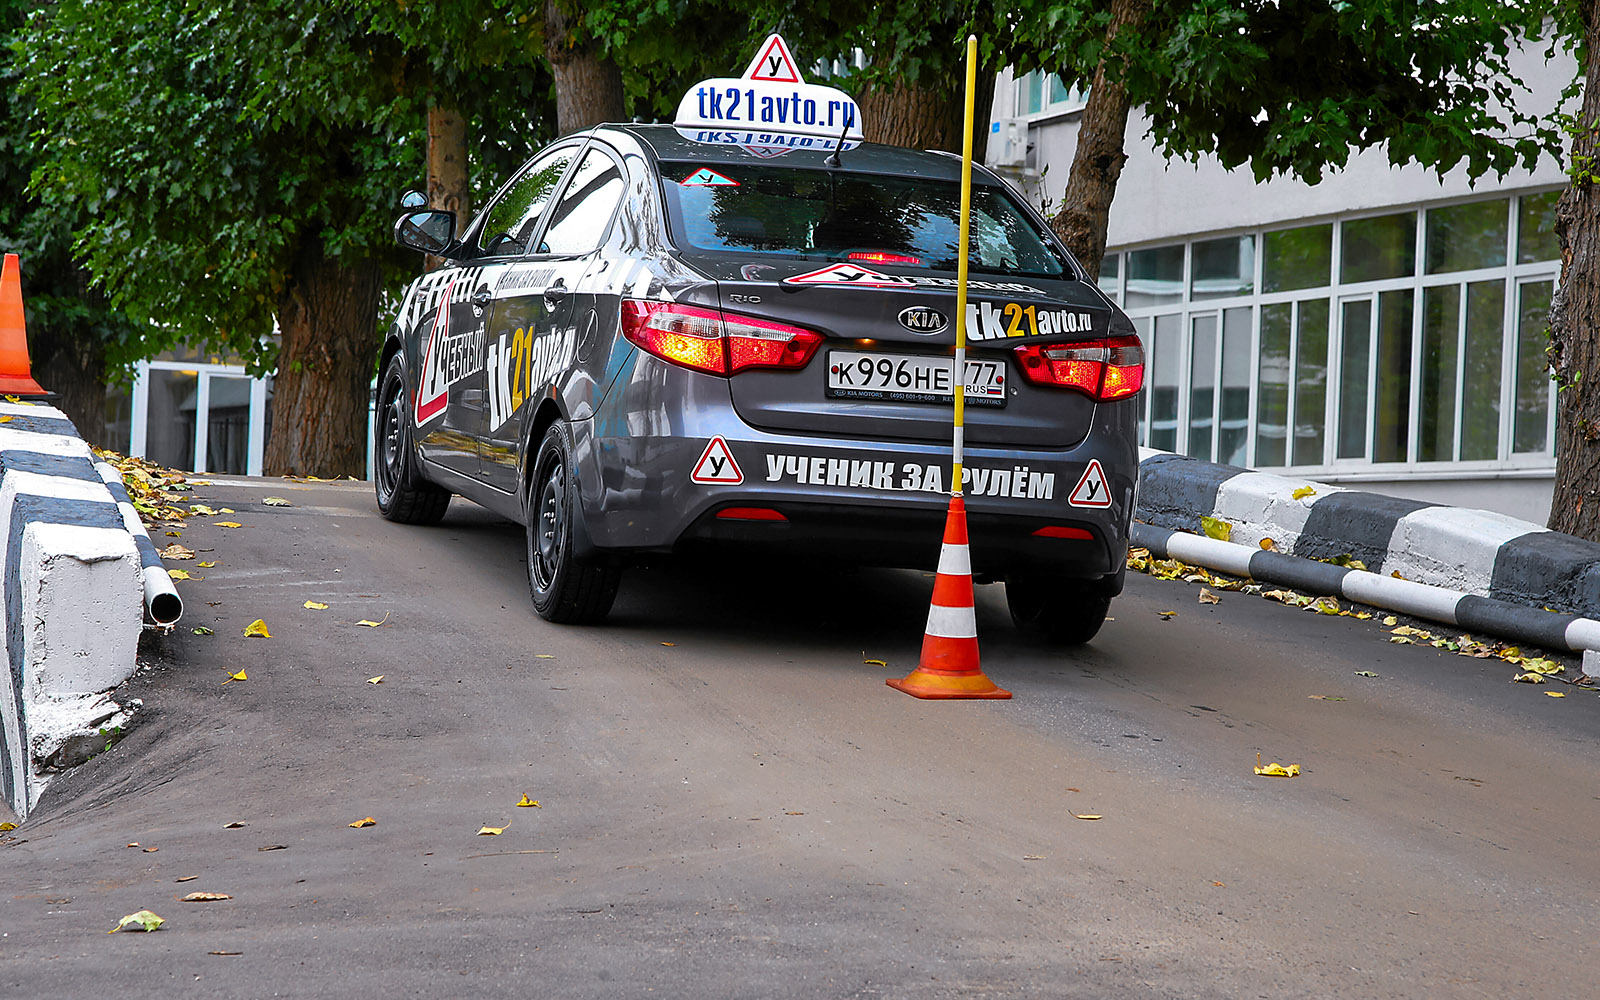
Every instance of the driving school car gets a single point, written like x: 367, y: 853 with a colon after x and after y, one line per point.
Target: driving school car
x: 651, y: 342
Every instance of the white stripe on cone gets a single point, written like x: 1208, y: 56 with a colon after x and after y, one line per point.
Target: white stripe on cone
x: 952, y: 623
x: 955, y: 560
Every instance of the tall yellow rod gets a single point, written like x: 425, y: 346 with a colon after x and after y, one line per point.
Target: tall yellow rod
x: 960, y: 374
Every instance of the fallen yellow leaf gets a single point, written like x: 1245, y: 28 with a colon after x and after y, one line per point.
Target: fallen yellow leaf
x: 1391, y: 620
x: 276, y: 502
x: 227, y: 524
x: 1277, y: 770
x: 1167, y: 616
x: 1269, y: 545
x: 236, y: 677
x: 369, y: 821
x: 206, y: 565
x: 7, y: 826
x: 226, y: 510
x: 492, y: 831
x: 1216, y: 527
x: 1087, y: 815
x: 1033, y: 857
x: 543, y: 656
x: 7, y: 419
x: 201, y: 509
x: 1529, y: 678
x: 669, y: 644
x: 144, y: 920
x: 174, y: 534
x: 179, y: 574
x: 1555, y: 694
x: 204, y: 897
x: 257, y: 630
x: 527, y: 802
x: 1303, y: 492
x: 314, y: 606
x: 875, y: 663
x: 372, y: 624
x: 176, y: 551
x: 376, y: 680
x: 1208, y: 596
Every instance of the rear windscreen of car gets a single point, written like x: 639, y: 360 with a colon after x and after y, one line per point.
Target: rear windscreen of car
x: 838, y: 215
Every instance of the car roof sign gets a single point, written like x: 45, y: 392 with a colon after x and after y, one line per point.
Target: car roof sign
x: 769, y: 107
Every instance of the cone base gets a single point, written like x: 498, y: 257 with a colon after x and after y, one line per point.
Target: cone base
x: 922, y: 684
x: 21, y: 385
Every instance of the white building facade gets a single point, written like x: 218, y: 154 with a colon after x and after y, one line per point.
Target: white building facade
x: 1385, y: 329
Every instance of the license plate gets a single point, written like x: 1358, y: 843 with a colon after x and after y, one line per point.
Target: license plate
x: 912, y: 378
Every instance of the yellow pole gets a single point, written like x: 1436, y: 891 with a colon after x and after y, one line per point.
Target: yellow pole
x: 960, y: 374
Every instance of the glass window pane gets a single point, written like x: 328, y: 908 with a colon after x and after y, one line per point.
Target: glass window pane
x: 118, y: 434
x: 579, y: 220
x: 1436, y: 413
x: 1233, y: 430
x: 1059, y: 92
x: 1202, y: 384
x: 1224, y: 268
x: 1480, y: 376
x: 1272, y: 394
x: 1109, y: 275
x: 1297, y: 258
x: 228, y: 426
x: 1384, y: 247
x: 1462, y: 237
x: 1029, y: 94
x: 169, y: 430
x: 1355, y: 349
x: 1531, y: 429
x: 1155, y: 277
x: 1311, y: 383
x: 1141, y: 326
x: 1536, y: 228
x: 1167, y: 358
x: 513, y: 218
x: 1392, y: 424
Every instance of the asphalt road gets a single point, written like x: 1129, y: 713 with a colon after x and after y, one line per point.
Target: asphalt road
x: 733, y: 804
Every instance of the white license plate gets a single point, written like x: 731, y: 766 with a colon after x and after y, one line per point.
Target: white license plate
x: 912, y: 378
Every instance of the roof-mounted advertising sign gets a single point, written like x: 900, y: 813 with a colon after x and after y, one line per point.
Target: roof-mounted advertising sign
x: 769, y: 107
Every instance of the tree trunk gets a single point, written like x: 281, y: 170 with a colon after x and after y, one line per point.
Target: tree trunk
x: 447, y: 167
x: 70, y: 361
x: 588, y: 85
x: 328, y: 317
x: 1097, y: 163
x: 1575, y: 315
x: 927, y: 115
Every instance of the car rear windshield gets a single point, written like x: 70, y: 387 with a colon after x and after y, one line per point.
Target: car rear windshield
x: 838, y: 215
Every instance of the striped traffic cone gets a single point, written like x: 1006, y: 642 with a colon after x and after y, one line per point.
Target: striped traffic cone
x: 949, y: 667
x: 16, y: 370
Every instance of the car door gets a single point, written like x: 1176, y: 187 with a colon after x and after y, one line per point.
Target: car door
x: 452, y: 399
x: 539, y: 313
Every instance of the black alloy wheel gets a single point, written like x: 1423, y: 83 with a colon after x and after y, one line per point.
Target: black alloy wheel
x: 404, y: 495
x: 566, y: 588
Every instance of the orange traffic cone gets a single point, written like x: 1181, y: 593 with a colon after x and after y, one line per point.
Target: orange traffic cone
x: 16, y: 371
x: 949, y: 667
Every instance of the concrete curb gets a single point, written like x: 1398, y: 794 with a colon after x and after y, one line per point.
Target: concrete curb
x: 1472, y: 552
x: 74, y: 596
x: 1478, y: 614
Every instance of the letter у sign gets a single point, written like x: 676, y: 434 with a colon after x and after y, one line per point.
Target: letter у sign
x: 770, y: 107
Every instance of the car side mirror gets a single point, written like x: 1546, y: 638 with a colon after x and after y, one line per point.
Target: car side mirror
x: 429, y: 230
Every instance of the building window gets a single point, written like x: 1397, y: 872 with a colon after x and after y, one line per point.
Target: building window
x: 1046, y: 93
x: 1408, y: 339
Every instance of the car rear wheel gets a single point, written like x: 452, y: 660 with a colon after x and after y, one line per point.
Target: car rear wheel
x: 567, y: 588
x: 403, y: 495
x: 1065, y: 611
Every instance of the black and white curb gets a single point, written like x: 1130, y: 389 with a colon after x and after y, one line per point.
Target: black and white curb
x: 74, y: 596
x: 1472, y: 552
x: 162, y: 605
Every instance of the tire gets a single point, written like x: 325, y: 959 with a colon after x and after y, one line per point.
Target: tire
x: 404, y: 496
x: 1067, y: 612
x: 567, y: 588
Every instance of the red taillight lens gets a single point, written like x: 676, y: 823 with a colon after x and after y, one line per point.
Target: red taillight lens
x: 750, y: 514
x: 1062, y: 531
x: 1107, y: 369
x: 716, y: 342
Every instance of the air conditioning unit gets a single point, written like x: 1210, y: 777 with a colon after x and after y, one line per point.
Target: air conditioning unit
x: 1008, y: 143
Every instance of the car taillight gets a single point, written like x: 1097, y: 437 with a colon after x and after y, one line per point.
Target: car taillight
x: 1106, y: 369
x: 709, y: 340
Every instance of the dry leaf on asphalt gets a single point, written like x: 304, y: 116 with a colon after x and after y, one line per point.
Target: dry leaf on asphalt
x: 179, y: 574
x: 1555, y: 694
x: 226, y: 510
x: 227, y: 524
x: 492, y: 831
x: 1529, y: 678
x: 144, y: 920
x: 875, y: 663
x: 176, y: 551
x: 235, y: 825
x: 527, y: 802
x: 1087, y: 815
x: 314, y: 606
x: 369, y: 821
x: 201, y: 510
x: 376, y: 680
x: 1324, y: 606
x: 204, y: 897
x: 1365, y: 673
x: 669, y: 644
x: 257, y: 630
x: 240, y: 676
x: 1167, y: 616
x: 276, y: 502
x: 544, y: 656
x: 186, y: 878
x: 1208, y: 596
x: 7, y: 826
x: 372, y: 624
x: 1277, y: 770
x: 207, y: 565
x: 202, y: 630
x: 1033, y: 857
